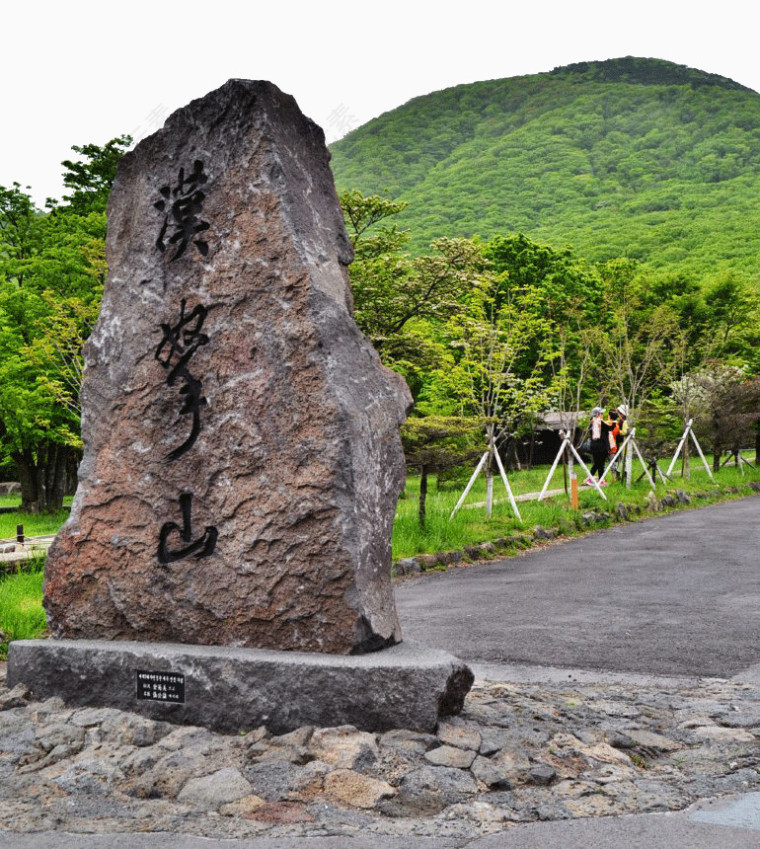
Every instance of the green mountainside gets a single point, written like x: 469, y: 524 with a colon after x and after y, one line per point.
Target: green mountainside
x: 627, y: 157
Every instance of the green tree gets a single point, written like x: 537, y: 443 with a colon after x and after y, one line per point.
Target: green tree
x: 498, y: 357
x: 52, y: 269
x: 91, y: 176
x: 436, y: 443
x: 639, y: 345
x: 399, y: 300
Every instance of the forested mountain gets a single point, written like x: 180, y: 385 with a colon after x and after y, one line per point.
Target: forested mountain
x: 632, y: 157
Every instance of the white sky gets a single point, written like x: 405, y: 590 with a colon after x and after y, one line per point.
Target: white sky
x: 81, y: 71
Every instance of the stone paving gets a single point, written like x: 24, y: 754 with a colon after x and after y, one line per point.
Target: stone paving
x: 518, y: 753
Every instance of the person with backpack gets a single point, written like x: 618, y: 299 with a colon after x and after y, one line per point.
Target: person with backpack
x: 612, y: 428
x: 598, y: 444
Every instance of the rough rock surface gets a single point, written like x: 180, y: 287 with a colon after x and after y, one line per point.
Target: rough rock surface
x: 544, y: 751
x: 242, y: 453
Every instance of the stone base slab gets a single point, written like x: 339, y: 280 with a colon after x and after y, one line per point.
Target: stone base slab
x: 232, y: 689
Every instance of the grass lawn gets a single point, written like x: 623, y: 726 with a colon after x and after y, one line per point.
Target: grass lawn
x: 470, y: 526
x: 34, y: 524
x: 22, y: 616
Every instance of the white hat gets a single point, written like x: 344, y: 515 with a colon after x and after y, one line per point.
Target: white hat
x: 623, y: 410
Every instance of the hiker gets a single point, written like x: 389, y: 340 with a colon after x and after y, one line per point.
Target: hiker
x: 622, y: 411
x: 612, y: 428
x: 598, y: 444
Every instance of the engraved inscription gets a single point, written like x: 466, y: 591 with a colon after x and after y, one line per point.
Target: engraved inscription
x: 198, y: 548
x: 182, y: 205
x: 180, y: 341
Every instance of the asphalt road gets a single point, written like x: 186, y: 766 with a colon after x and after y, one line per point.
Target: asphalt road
x: 673, y: 595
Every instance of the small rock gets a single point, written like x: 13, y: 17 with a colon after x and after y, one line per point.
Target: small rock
x: 493, y: 739
x: 542, y: 774
x: 263, y: 751
x: 491, y: 773
x: 212, y: 791
x: 427, y: 561
x: 409, y: 742
x: 90, y: 717
x: 450, y: 756
x: 651, y: 740
x: 51, y: 736
x: 605, y: 753
x: 460, y: 734
x: 741, y: 720
x: 514, y: 764
x: 357, y: 790
x: 620, y: 740
x: 407, y: 566
x: 344, y: 747
x: 15, y: 698
x: 721, y: 734
x: 242, y: 806
x: 428, y: 790
x: 130, y: 729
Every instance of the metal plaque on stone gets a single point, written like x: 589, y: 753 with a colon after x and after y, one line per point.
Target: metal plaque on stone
x: 161, y: 687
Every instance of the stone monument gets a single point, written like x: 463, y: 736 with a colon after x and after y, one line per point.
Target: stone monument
x: 242, y: 453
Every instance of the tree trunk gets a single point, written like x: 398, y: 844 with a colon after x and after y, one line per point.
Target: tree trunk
x: 717, y: 444
x: 423, y: 493
x: 757, y: 442
x: 489, y: 489
x: 490, y: 435
x: 43, y: 477
x: 717, y: 451
x: 565, y: 471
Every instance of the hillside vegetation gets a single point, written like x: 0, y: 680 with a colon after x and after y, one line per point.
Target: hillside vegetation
x: 631, y: 157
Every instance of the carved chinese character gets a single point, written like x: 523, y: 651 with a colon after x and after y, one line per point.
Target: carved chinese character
x: 180, y: 341
x: 202, y: 547
x: 182, y: 206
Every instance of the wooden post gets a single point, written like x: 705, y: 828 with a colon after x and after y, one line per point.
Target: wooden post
x: 699, y: 451
x: 507, y: 486
x: 20, y: 534
x: 643, y: 463
x: 680, y: 446
x: 554, y: 466
x: 469, y: 485
x: 574, y: 491
x: 585, y: 468
x: 489, y: 471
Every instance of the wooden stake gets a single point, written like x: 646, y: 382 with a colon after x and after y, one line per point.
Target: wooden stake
x: 469, y: 485
x: 507, y: 487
